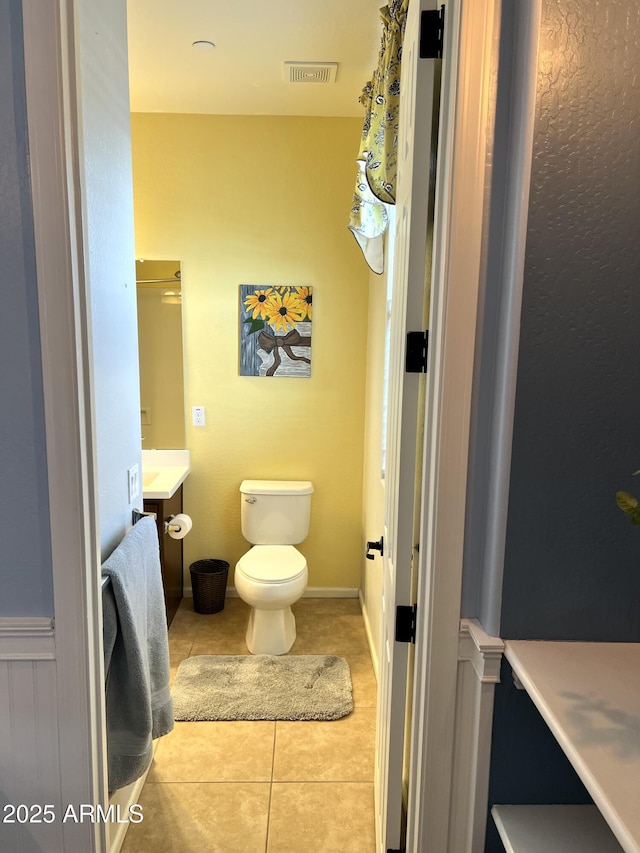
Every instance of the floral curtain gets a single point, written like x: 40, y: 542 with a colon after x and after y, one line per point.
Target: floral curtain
x: 378, y: 155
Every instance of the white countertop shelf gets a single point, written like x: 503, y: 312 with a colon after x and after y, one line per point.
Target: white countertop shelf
x: 553, y: 829
x: 163, y: 472
x: 589, y: 696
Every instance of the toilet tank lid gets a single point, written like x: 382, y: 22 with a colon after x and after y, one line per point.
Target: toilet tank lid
x: 276, y: 487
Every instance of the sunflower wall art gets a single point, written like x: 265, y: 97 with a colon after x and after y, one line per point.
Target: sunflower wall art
x: 275, y: 330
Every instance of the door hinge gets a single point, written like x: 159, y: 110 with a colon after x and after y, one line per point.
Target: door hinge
x: 417, y: 351
x: 431, y: 33
x: 406, y: 623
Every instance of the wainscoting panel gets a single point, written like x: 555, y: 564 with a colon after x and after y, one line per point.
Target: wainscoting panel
x: 479, y: 657
x: 29, y: 757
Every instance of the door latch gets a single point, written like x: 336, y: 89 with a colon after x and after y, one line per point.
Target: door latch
x: 374, y: 546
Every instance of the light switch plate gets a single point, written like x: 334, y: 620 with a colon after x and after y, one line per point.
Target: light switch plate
x: 133, y: 475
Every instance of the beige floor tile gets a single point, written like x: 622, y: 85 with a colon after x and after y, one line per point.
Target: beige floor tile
x: 174, y: 662
x: 232, y: 628
x: 185, y: 617
x: 215, y: 752
x: 208, y: 788
x: 321, y: 818
x: 232, y: 607
x: 201, y: 818
x: 180, y: 644
x: 363, y: 677
x: 225, y: 644
x: 223, y: 633
x: 324, y: 634
x: 337, y: 751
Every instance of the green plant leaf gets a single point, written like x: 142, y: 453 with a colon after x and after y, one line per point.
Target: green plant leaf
x: 626, y: 502
x: 256, y: 326
x: 629, y: 505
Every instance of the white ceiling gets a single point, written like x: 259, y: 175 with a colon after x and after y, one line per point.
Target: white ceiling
x: 244, y: 74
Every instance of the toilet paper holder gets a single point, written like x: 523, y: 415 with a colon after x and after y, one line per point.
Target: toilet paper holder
x: 177, y: 526
x: 169, y: 526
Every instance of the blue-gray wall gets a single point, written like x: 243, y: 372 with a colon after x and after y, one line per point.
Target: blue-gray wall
x: 572, y: 561
x: 105, y: 167
x: 25, y: 549
x: 107, y: 187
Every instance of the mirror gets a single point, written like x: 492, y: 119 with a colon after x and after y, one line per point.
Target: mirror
x: 159, y: 293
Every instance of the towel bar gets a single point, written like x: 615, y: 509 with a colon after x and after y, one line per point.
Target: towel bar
x: 137, y: 514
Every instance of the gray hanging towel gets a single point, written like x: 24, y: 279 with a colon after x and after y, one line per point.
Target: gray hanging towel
x: 138, y: 701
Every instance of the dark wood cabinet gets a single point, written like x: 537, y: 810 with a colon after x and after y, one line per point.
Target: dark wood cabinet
x: 170, y: 550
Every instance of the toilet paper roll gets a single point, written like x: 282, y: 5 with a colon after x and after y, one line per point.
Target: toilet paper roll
x: 180, y: 525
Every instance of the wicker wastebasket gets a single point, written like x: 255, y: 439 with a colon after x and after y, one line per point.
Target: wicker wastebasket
x: 209, y: 585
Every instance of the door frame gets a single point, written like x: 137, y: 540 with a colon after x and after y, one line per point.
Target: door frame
x: 69, y: 413
x: 54, y: 126
x: 418, y: 125
x: 468, y: 74
x: 464, y: 191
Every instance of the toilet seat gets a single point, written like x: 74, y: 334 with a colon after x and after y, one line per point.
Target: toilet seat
x: 272, y: 564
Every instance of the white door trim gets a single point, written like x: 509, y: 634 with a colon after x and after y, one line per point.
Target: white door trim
x: 419, y: 104
x: 479, y: 660
x: 440, y: 800
x: 470, y: 31
x: 497, y: 366
x: 69, y: 424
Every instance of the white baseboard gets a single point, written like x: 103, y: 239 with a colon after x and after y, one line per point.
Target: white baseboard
x: 310, y: 592
x: 367, y: 627
x: 331, y: 592
x: 123, y: 798
x: 27, y: 638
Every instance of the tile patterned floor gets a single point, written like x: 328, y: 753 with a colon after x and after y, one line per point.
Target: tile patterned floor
x: 265, y: 787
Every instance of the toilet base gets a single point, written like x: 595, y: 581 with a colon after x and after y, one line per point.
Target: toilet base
x: 271, y: 632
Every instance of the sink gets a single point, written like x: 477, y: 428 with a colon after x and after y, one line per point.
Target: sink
x: 163, y: 472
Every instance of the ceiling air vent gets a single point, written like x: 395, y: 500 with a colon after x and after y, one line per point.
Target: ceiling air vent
x: 310, y: 72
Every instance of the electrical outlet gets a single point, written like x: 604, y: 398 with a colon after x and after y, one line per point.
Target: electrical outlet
x: 198, y: 416
x: 133, y: 475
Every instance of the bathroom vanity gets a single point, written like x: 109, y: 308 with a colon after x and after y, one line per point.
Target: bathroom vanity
x: 171, y: 560
x: 163, y: 473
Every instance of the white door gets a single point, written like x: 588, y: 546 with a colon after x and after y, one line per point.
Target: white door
x: 418, y: 117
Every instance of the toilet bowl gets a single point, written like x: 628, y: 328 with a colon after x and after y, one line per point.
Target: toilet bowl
x: 273, y: 574
x: 270, y: 578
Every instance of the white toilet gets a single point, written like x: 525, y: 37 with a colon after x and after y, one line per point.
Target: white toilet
x: 272, y: 575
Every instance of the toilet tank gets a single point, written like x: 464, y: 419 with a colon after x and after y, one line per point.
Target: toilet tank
x: 275, y: 512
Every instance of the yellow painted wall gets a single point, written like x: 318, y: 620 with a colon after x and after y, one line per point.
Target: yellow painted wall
x: 263, y: 200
